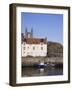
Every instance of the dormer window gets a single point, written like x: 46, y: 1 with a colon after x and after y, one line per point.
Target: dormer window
x: 42, y: 40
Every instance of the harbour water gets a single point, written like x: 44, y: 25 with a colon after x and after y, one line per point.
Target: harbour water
x: 46, y: 71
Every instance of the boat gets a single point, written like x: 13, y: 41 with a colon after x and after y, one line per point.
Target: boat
x: 40, y: 65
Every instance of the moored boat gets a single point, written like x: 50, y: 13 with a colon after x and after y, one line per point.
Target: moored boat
x: 40, y: 65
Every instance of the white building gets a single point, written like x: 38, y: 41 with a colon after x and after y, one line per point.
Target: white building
x: 33, y: 46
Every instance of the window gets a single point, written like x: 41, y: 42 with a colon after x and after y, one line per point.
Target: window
x: 41, y: 43
x: 41, y: 48
x: 28, y: 47
x: 24, y: 43
x: 27, y: 53
x: 24, y: 52
x: 33, y: 48
x: 24, y: 48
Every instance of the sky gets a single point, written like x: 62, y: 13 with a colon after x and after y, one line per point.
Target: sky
x: 44, y: 25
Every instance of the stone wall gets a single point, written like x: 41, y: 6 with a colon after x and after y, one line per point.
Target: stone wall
x: 36, y: 60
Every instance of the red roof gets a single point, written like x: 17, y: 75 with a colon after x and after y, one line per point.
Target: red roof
x: 33, y: 40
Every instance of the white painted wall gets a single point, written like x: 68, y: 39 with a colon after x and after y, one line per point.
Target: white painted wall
x: 4, y: 45
x: 27, y: 49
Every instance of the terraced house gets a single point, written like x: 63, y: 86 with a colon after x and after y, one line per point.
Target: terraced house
x: 31, y: 46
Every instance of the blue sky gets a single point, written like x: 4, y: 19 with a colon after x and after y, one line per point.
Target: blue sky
x: 44, y: 25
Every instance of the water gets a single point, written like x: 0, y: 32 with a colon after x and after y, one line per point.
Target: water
x: 47, y: 71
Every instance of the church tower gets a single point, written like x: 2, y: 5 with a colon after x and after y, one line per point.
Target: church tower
x: 29, y: 34
x: 25, y: 32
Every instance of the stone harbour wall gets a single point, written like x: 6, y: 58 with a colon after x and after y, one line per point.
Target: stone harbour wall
x: 29, y: 61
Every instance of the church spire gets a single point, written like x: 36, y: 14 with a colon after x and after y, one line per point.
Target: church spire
x: 32, y: 32
x: 26, y: 32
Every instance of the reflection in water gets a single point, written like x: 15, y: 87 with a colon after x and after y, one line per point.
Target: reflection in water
x: 47, y: 71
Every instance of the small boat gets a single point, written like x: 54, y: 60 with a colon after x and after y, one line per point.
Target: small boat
x: 40, y: 65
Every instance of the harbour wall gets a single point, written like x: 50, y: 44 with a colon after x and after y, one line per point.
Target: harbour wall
x: 30, y: 61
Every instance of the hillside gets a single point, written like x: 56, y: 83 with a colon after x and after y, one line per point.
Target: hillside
x: 54, y: 49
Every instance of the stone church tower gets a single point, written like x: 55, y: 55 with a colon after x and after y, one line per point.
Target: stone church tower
x: 29, y: 34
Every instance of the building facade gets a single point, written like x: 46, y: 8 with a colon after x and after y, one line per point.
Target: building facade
x: 31, y: 46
